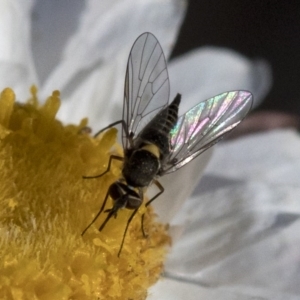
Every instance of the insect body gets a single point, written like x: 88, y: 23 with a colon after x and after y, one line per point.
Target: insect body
x: 156, y: 141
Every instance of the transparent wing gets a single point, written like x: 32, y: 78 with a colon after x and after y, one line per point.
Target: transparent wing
x: 147, y: 86
x: 204, y: 125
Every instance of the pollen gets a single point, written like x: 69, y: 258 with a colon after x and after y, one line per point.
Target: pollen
x: 45, y: 204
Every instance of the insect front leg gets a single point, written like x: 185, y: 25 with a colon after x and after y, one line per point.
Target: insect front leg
x: 126, y: 228
x: 124, y: 127
x: 116, y: 157
x: 98, y: 214
x: 110, y: 214
x: 158, y: 184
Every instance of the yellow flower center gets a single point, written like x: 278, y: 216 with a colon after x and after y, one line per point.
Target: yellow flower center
x: 45, y: 204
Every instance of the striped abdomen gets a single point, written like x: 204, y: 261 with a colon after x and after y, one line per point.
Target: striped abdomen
x: 157, y: 131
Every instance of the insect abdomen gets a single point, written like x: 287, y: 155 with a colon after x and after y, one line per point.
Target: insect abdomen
x: 157, y: 132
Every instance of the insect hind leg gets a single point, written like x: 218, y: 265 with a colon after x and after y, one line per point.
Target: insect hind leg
x: 158, y: 184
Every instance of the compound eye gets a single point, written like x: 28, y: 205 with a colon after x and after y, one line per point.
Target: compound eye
x: 117, y: 190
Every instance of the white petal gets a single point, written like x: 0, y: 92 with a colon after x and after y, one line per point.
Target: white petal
x: 168, y: 289
x: 53, y: 23
x: 206, y: 72
x: 269, y: 156
x: 178, y: 187
x: 98, y: 96
x: 245, y: 229
x: 16, y: 65
x: 107, y: 33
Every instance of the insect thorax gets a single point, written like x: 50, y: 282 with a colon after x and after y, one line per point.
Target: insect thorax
x: 140, y: 167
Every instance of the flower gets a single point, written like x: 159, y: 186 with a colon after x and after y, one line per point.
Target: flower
x: 89, y: 69
x: 46, y: 204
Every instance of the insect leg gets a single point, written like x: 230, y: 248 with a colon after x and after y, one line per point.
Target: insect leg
x: 116, y: 157
x: 112, y: 125
x: 158, y: 184
x: 110, y: 214
x: 127, y: 225
x: 98, y: 214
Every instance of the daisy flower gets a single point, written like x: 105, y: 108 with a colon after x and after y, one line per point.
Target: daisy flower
x: 80, y: 48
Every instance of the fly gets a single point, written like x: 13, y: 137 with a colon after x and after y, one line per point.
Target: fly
x: 155, y: 139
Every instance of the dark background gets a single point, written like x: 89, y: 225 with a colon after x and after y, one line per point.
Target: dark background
x: 257, y: 29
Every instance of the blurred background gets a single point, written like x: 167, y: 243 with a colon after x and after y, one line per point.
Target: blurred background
x: 258, y: 29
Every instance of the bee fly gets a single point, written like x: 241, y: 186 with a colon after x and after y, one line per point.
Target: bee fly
x: 156, y: 141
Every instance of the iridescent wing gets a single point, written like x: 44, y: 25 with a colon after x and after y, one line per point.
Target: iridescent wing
x: 147, y: 86
x: 204, y: 125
